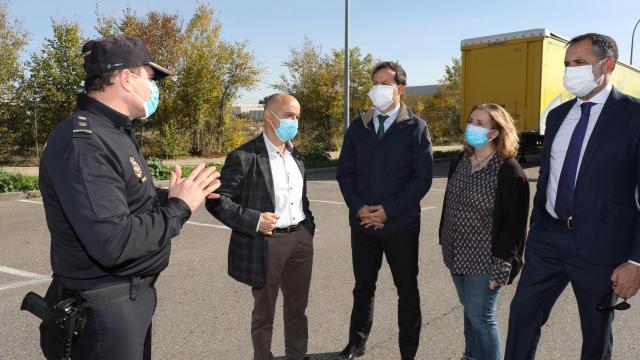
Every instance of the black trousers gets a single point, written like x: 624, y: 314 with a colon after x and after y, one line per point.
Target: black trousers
x: 120, y: 330
x: 401, y: 251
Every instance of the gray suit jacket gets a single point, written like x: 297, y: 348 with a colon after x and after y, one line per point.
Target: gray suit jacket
x: 245, y: 193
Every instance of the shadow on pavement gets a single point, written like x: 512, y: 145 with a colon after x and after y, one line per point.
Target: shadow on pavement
x: 325, y: 356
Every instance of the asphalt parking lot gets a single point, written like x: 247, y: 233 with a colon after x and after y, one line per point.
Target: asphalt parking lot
x: 204, y: 314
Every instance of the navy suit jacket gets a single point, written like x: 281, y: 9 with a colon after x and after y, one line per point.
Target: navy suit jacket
x: 605, y: 214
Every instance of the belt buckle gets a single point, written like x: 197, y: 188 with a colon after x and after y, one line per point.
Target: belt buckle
x: 569, y: 223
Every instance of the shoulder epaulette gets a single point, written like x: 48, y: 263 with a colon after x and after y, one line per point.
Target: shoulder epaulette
x: 81, y: 127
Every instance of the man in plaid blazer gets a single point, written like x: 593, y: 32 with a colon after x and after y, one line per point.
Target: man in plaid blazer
x: 263, y: 200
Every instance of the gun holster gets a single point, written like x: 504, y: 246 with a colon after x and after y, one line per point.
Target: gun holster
x: 65, y: 317
x: 62, y: 321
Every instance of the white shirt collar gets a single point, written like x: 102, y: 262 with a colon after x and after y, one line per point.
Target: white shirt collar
x: 392, y: 114
x: 271, y: 147
x: 599, y: 98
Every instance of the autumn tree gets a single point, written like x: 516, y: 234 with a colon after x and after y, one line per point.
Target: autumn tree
x: 316, y: 79
x: 162, y: 34
x: 194, y: 115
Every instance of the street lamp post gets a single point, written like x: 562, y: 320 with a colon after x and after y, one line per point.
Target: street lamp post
x: 346, y: 65
x: 633, y: 34
x: 35, y: 123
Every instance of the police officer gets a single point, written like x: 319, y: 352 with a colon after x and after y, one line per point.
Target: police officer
x: 111, y: 228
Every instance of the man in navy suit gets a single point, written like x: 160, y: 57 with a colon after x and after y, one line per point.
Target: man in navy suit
x: 585, y: 225
x: 385, y: 169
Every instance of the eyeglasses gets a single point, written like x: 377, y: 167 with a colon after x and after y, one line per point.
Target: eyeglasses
x: 605, y: 304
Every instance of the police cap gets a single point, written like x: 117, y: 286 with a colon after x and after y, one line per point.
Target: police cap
x: 118, y: 52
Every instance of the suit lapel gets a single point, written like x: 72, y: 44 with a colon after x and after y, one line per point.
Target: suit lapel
x: 603, y: 126
x: 265, y: 166
x: 402, y: 119
x: 296, y: 155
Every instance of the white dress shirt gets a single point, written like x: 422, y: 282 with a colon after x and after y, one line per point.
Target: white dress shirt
x: 561, y: 142
x: 392, y: 115
x: 287, y: 185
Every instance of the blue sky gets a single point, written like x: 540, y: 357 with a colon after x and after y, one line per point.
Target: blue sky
x: 422, y: 35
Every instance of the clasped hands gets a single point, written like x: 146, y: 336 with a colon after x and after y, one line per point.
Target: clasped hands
x: 372, y: 216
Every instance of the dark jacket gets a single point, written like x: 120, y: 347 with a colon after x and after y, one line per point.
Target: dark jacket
x: 105, y: 216
x: 606, y: 219
x: 395, y: 171
x: 245, y: 193
x: 510, y: 213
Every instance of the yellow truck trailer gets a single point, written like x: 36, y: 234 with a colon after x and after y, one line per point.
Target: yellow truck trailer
x: 522, y: 71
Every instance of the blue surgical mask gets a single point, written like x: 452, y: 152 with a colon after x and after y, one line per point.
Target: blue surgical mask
x: 151, y: 104
x: 476, y: 136
x: 287, y: 130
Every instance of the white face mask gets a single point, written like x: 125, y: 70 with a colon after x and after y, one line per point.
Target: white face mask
x: 579, y: 80
x: 381, y: 96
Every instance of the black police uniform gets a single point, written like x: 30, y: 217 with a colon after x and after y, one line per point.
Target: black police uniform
x: 109, y: 225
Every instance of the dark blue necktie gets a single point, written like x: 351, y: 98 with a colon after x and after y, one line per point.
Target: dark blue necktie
x: 567, y: 181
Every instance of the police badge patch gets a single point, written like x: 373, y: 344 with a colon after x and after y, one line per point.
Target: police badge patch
x: 137, y: 169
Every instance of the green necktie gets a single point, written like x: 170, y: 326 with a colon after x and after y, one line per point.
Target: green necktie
x: 381, y: 119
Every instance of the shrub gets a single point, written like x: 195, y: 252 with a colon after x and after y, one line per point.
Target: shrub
x: 159, y: 171
x: 10, y: 182
x: 314, y: 152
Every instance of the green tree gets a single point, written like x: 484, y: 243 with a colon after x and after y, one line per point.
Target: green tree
x: 240, y: 71
x: 212, y: 74
x: 198, y: 84
x: 12, y: 41
x: 316, y: 79
x: 442, y: 110
x: 50, y: 92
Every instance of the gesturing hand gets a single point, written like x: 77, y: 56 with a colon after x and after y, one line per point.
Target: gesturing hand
x: 196, y: 187
x: 268, y: 222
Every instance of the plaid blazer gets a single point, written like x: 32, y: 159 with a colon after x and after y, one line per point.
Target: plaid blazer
x: 245, y: 193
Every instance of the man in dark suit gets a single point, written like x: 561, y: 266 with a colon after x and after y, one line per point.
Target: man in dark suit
x: 263, y: 200
x: 585, y: 220
x: 384, y: 171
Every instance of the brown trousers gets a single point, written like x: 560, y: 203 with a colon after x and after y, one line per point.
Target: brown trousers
x: 289, y: 268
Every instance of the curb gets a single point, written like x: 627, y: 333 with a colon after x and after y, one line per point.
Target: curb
x: 11, y: 196
x: 19, y: 195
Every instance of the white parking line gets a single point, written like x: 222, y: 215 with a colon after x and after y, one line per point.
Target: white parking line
x: 22, y: 283
x: 33, y: 278
x: 429, y: 208
x: 22, y: 273
x: 31, y: 201
x: 188, y: 222
x: 208, y: 225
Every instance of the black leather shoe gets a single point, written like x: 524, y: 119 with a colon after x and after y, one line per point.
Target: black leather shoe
x: 352, y: 351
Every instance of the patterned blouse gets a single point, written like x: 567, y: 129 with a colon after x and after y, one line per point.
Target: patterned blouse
x: 468, y: 224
